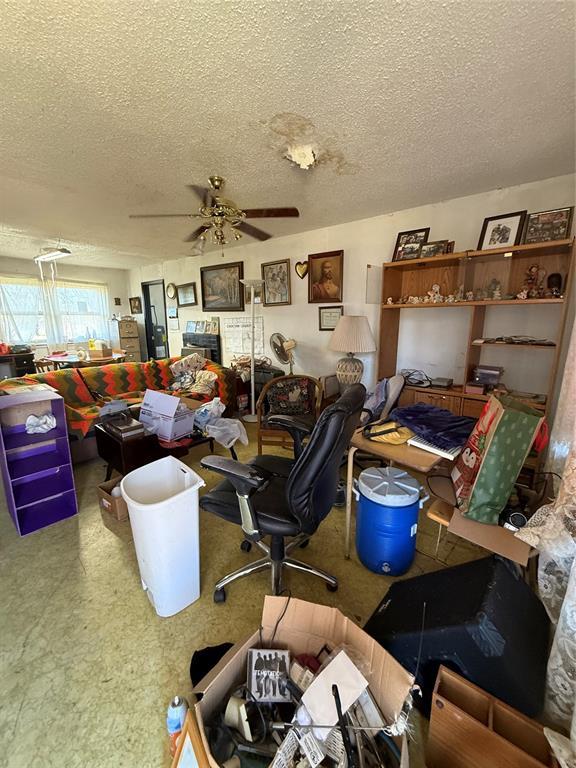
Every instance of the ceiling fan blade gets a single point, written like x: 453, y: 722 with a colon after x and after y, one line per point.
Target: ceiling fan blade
x: 196, y: 234
x: 268, y: 213
x: 163, y: 215
x: 203, y: 193
x: 248, y: 229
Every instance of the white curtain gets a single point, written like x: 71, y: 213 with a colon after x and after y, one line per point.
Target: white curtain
x: 552, y: 530
x: 52, y: 312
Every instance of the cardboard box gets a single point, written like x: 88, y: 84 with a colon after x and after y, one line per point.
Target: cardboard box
x: 159, y: 412
x: 101, y: 350
x: 306, y: 628
x: 112, y: 505
x: 190, y: 402
x: 492, y: 537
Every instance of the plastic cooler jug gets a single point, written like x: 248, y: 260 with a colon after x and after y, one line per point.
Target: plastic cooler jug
x: 387, y: 519
x: 162, y: 499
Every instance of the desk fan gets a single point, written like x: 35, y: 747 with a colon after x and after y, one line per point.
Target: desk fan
x: 283, y: 348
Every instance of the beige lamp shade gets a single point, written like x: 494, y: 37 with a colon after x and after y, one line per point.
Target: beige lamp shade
x: 352, y: 334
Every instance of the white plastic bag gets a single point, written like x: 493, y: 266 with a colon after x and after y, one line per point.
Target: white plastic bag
x: 227, y: 431
x: 207, y: 413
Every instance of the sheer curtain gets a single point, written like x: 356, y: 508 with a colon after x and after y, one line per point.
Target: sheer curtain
x: 52, y: 313
x: 552, y: 530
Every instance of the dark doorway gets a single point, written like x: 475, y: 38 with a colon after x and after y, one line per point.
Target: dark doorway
x: 155, y: 319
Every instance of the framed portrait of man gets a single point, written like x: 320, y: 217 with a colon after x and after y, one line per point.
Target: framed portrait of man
x: 325, y: 277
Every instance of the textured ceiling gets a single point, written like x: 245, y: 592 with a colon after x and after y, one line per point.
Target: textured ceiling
x: 109, y: 108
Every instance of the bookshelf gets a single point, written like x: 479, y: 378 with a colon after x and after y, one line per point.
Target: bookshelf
x: 474, y: 270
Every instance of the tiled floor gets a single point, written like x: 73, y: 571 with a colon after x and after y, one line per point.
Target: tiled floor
x: 86, y: 666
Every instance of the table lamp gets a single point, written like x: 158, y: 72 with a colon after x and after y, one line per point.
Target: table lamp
x: 351, y: 335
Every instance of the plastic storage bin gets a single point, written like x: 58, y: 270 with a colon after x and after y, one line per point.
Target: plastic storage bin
x: 387, y: 519
x: 162, y: 499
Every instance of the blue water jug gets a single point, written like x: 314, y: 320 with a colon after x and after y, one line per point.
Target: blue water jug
x: 389, y: 500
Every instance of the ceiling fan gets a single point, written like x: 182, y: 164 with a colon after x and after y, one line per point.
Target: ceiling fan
x: 220, y: 216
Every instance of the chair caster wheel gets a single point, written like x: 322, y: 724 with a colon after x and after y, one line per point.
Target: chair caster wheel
x: 246, y: 546
x: 332, y: 587
x: 220, y: 595
x: 304, y: 543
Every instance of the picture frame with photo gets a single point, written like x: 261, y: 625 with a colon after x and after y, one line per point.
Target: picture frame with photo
x: 172, y: 312
x: 276, y: 288
x: 328, y: 317
x: 411, y: 238
x: 190, y: 751
x: 191, y: 326
x: 135, y: 305
x: 186, y: 295
x: 325, y: 277
x: 502, y: 231
x: 545, y: 226
x: 221, y: 288
x: 434, y: 248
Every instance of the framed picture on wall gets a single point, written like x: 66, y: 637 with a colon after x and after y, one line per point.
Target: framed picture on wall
x: 325, y: 277
x: 276, y: 276
x: 501, y: 231
x: 186, y: 295
x: 328, y: 317
x: 222, y: 290
x: 135, y: 305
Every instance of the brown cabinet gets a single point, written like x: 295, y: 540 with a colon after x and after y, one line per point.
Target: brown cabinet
x: 472, y: 407
x: 129, y: 340
x: 439, y: 400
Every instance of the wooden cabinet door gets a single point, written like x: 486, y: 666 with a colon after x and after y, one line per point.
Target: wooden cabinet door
x: 440, y: 401
x: 472, y: 407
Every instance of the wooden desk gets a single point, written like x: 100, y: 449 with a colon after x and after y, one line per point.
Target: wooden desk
x: 405, y: 455
x: 75, y: 362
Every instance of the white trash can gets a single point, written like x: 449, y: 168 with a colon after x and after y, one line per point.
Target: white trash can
x: 162, y: 499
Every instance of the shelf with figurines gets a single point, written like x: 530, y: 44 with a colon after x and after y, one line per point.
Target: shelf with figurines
x: 479, y: 284
x: 534, y: 273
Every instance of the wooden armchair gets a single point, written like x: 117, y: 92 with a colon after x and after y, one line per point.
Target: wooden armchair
x: 290, y: 396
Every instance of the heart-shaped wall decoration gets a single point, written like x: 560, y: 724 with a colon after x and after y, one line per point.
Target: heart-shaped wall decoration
x: 301, y: 269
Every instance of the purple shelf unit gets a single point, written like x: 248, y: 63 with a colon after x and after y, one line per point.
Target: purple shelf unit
x: 36, y: 469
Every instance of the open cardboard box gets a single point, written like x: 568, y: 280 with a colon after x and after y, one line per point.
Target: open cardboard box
x: 306, y: 628
x: 112, y: 505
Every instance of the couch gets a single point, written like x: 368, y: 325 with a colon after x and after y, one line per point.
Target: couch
x: 85, y: 390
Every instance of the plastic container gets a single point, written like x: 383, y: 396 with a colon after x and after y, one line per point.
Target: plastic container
x: 175, y: 717
x: 387, y: 519
x: 162, y: 499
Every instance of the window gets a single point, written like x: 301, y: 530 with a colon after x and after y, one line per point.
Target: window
x: 38, y: 313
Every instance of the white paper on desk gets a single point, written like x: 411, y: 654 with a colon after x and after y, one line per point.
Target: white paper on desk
x: 319, y: 700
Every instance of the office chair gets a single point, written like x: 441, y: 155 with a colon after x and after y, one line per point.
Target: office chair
x: 282, y: 498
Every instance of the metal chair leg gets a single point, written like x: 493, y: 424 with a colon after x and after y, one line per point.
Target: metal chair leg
x: 298, y: 565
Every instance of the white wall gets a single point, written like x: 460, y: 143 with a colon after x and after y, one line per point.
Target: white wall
x: 117, y: 280
x: 369, y: 241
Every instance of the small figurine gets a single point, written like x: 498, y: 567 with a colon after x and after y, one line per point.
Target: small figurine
x: 426, y: 299
x: 534, y: 281
x: 434, y: 294
x: 459, y: 295
x: 451, y: 298
x: 494, y: 289
x: 469, y: 295
x: 523, y: 294
x: 389, y: 300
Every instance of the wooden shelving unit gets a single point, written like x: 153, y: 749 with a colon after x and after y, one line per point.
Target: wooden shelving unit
x: 473, y: 270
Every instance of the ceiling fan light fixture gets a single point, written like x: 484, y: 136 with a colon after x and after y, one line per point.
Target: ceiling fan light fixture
x: 237, y: 235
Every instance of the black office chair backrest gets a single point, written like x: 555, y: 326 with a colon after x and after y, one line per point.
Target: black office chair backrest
x: 311, y: 486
